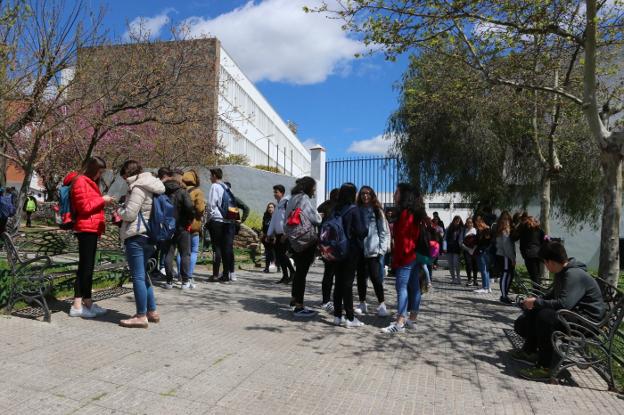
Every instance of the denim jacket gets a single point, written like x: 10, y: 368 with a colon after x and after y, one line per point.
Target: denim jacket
x: 377, y: 242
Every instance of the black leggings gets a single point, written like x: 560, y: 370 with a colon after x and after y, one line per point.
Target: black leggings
x: 87, y: 248
x: 534, y: 268
x: 303, y: 260
x: 507, y: 271
x: 369, y: 268
x: 222, y: 238
x: 328, y: 280
x: 288, y: 271
x: 182, y: 241
x: 343, y: 290
x: 471, y: 266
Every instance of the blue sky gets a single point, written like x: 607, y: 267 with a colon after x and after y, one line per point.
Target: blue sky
x: 307, y: 71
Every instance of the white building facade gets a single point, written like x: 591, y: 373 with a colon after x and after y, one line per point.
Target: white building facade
x: 249, y: 126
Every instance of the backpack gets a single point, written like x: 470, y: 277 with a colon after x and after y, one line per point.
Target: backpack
x: 66, y: 209
x: 196, y: 215
x: 423, y: 246
x: 31, y: 205
x: 299, y: 230
x: 7, y: 208
x: 333, y: 242
x: 228, y: 207
x: 161, y: 225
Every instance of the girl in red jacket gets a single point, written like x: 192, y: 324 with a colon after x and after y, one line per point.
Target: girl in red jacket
x: 88, y: 214
x: 406, y: 232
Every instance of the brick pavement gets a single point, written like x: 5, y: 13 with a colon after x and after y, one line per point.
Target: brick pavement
x: 235, y: 349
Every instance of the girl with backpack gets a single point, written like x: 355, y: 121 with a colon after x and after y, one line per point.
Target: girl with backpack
x: 302, y: 220
x: 135, y: 215
x: 405, y: 254
x: 484, y: 243
x: 454, y: 238
x: 376, y: 245
x: 355, y: 232
x: 89, y: 224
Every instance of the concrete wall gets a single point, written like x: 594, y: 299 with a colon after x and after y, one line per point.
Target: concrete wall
x: 253, y: 186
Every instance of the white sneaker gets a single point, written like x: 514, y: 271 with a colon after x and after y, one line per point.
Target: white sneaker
x: 382, y: 311
x: 393, y: 328
x: 99, y: 311
x: 358, y: 311
x: 353, y: 324
x: 192, y: 284
x: 232, y: 276
x: 481, y: 291
x: 339, y: 321
x: 328, y: 306
x: 168, y: 286
x: 163, y: 272
x: 83, y: 312
x: 186, y: 286
x: 488, y: 291
x: 411, y: 324
x: 361, y: 310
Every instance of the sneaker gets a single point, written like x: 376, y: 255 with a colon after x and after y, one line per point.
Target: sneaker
x: 168, y: 285
x: 233, y: 276
x: 535, y: 373
x: 266, y: 270
x: 99, y: 311
x: 83, y: 312
x: 411, y: 324
x: 153, y: 317
x: 340, y: 321
x: 505, y: 300
x: 304, y: 312
x: 163, y: 272
x: 469, y: 283
x: 134, y: 323
x: 224, y: 279
x: 481, y: 291
x: 524, y: 357
x: 350, y: 324
x: 192, y: 284
x: 186, y: 286
x: 364, y: 307
x: 382, y: 311
x: 328, y: 306
x: 393, y: 328
x: 488, y: 291
x: 361, y: 310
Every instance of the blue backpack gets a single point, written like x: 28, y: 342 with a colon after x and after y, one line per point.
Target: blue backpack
x: 333, y: 241
x: 228, y: 207
x: 65, y: 207
x: 161, y: 225
x: 7, y: 208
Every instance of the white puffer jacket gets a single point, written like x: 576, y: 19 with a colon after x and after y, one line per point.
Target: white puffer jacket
x: 141, y: 189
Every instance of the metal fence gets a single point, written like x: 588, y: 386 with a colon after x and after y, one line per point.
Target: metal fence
x: 380, y: 173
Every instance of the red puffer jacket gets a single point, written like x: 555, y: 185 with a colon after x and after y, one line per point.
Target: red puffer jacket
x: 406, y: 232
x: 87, y: 204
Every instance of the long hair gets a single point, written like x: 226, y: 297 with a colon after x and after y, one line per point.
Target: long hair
x: 305, y: 185
x: 480, y: 224
x: 503, y: 225
x: 410, y: 200
x: 374, y: 202
x: 531, y: 223
x: 346, y: 195
x: 456, y: 223
x: 93, y: 166
x: 130, y: 168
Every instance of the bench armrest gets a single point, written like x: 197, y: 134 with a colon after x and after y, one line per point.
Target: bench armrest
x: 47, y: 262
x: 575, y: 322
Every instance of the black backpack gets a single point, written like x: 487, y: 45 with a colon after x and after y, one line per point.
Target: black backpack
x: 424, y: 238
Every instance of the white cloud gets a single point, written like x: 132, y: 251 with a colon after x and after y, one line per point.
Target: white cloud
x: 379, y: 145
x: 276, y: 40
x: 310, y: 143
x: 149, y: 27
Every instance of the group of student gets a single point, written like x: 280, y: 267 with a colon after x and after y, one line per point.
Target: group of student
x: 184, y: 214
x: 353, y: 236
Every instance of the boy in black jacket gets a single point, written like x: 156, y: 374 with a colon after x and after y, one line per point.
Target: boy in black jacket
x: 573, y: 289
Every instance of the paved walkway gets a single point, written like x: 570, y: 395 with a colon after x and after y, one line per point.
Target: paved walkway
x: 235, y: 349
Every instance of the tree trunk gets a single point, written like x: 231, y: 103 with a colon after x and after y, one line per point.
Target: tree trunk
x: 545, y: 202
x: 14, y: 223
x: 609, y: 268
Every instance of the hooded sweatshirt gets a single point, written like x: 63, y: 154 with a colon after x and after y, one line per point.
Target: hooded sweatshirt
x: 574, y: 289
x: 198, y: 198
x: 141, y: 189
x: 183, y: 206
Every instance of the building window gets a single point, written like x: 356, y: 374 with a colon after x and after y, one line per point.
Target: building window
x: 439, y: 205
x: 463, y: 205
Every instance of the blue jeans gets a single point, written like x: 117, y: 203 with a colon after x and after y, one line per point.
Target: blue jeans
x: 425, y: 269
x: 408, y: 288
x: 483, y: 263
x: 194, y: 254
x: 138, y: 252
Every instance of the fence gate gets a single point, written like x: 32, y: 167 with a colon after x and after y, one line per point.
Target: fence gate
x: 380, y: 173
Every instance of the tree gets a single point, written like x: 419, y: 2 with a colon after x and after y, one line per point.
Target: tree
x: 592, y: 26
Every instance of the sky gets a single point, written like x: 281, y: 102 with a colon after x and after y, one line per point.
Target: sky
x: 303, y: 64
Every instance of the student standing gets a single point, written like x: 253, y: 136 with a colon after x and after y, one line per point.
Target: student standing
x: 531, y: 239
x: 191, y: 181
x: 221, y: 228
x: 276, y: 235
x: 135, y: 215
x: 326, y: 209
x: 505, y: 257
x: 454, y: 238
x: 269, y: 253
x: 30, y: 207
x: 484, y: 242
x: 407, y: 229
x: 376, y: 245
x: 469, y: 246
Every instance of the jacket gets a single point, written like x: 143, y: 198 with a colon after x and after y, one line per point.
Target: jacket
x: 266, y: 222
x: 276, y: 227
x: 506, y: 247
x: 406, y: 233
x: 301, y: 200
x: 182, y: 204
x: 531, y: 240
x: 355, y: 229
x: 377, y: 241
x: 242, y: 206
x: 28, y: 198
x: 454, y: 238
x: 87, y: 204
x: 141, y: 189
x: 574, y: 289
x: 484, y: 240
x: 198, y: 199
x: 215, y: 195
